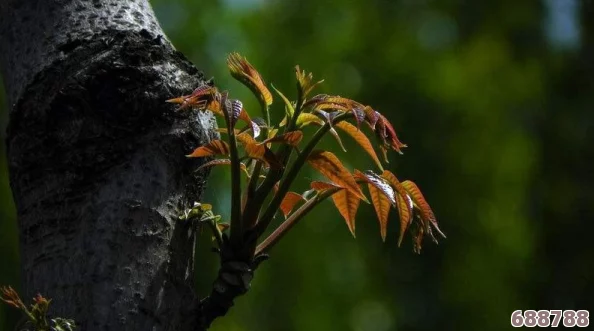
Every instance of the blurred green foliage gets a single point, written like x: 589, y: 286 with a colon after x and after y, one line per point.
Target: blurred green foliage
x: 494, y: 99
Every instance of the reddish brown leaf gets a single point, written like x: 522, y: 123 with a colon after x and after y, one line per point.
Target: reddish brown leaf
x: 178, y: 100
x: 387, y: 134
x: 243, y: 71
x: 242, y: 136
x: 331, y: 167
x: 382, y: 197
x: 359, y: 115
x: 291, y: 138
x: 331, y: 106
x: 361, y: 139
x: 189, y: 102
x: 11, y: 297
x: 289, y: 201
x: 246, y: 139
x: 253, y: 150
x: 347, y: 204
x: 340, y: 102
x: 204, y: 90
x: 420, y: 202
x: 215, y: 107
x: 215, y: 147
x: 198, y: 98
x: 339, y: 99
x: 395, y: 183
x: 378, y: 182
x: 372, y: 116
x: 261, y: 152
x: 322, y: 186
x: 404, y: 206
x: 381, y: 204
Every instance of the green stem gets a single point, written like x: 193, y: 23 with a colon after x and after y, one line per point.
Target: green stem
x: 249, y: 218
x: 265, y: 111
x: 252, y: 184
x: 268, y: 215
x: 255, y: 201
x: 283, y: 153
x: 275, y: 236
x: 286, y: 183
x: 251, y: 192
x: 236, y: 224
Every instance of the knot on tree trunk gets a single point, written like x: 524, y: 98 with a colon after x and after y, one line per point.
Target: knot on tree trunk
x: 233, y: 280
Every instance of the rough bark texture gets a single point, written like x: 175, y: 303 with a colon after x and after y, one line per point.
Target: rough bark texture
x: 97, y: 163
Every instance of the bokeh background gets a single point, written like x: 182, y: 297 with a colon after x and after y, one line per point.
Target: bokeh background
x: 495, y: 100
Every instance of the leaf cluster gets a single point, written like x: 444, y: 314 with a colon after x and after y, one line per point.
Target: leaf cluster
x: 271, y: 155
x: 36, y: 314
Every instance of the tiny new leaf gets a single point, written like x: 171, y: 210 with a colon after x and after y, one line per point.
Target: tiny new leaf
x: 305, y: 81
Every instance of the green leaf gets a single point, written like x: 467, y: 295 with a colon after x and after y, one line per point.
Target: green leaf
x: 289, y: 109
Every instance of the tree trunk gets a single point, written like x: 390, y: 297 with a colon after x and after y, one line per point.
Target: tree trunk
x: 97, y: 164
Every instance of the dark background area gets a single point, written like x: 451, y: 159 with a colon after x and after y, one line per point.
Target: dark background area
x: 494, y: 99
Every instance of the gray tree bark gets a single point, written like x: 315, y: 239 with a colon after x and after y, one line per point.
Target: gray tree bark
x: 97, y: 163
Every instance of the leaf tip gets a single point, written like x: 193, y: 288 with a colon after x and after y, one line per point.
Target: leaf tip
x: 364, y: 198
